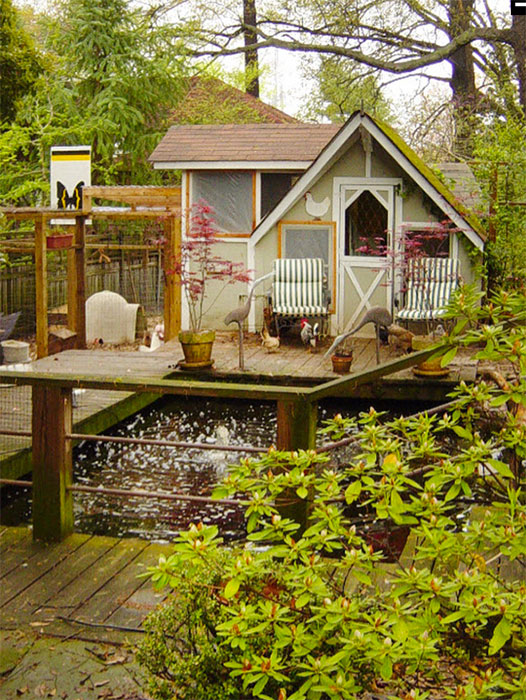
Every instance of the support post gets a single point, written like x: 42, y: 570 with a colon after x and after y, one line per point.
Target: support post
x: 297, y: 421
x: 41, y: 287
x: 52, y: 464
x: 78, y: 282
x: 172, y: 281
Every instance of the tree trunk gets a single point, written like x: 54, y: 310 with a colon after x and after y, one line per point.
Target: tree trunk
x: 465, y: 94
x: 251, y: 56
x: 518, y: 43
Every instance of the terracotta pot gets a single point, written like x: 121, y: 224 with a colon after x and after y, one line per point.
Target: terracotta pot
x: 341, y: 364
x: 390, y: 540
x: 63, y: 240
x: 431, y: 367
x: 197, y: 348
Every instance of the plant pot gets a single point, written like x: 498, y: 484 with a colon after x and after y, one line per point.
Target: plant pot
x: 197, y: 349
x: 431, y: 367
x: 341, y: 364
x: 63, y: 240
x: 390, y: 540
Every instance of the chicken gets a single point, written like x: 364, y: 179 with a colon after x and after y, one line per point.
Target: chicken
x: 268, y: 341
x: 309, y: 335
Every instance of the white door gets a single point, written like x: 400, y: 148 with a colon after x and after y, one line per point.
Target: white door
x: 368, y: 214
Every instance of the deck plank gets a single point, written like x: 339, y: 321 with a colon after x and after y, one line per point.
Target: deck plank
x: 34, y: 560
x: 127, y: 599
x: 39, y: 599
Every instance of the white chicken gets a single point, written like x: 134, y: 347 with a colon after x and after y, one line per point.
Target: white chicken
x: 316, y: 209
x: 269, y: 342
x: 309, y: 334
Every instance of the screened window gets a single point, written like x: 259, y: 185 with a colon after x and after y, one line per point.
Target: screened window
x: 273, y: 187
x: 366, y: 226
x: 310, y: 241
x: 230, y: 193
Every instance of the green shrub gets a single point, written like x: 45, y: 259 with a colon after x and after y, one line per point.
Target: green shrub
x: 318, y: 614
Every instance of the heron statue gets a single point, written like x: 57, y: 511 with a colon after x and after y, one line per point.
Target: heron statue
x: 240, y: 314
x: 378, y: 315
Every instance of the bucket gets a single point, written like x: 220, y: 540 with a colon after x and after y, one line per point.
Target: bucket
x: 15, y: 351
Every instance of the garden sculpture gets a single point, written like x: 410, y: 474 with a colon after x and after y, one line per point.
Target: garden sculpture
x: 381, y: 318
x: 240, y: 314
x: 316, y: 209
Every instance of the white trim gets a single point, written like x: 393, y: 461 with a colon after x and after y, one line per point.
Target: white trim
x: 368, y: 163
x: 251, y: 265
x: 364, y: 296
x: 425, y: 185
x: 322, y: 163
x: 269, y: 166
x: 333, y: 151
x: 257, y: 202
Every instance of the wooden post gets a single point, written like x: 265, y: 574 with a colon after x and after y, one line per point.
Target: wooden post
x: 172, y: 282
x: 41, y: 286
x: 77, y: 283
x: 297, y: 421
x: 52, y: 464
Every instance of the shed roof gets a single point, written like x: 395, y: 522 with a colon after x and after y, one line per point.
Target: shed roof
x: 227, y: 143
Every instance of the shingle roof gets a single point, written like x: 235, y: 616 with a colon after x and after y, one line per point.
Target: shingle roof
x: 243, y: 142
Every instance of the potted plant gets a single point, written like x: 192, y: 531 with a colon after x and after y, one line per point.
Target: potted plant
x: 342, y: 357
x: 203, y: 277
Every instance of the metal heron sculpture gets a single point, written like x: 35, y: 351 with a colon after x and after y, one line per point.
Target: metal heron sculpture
x: 241, y: 313
x: 378, y: 315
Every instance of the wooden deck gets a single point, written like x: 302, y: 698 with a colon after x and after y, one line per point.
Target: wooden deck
x: 86, y: 587
x: 293, y: 364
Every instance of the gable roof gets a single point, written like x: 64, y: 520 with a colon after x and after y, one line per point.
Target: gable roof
x: 405, y: 157
x: 230, y: 146
x: 204, y: 93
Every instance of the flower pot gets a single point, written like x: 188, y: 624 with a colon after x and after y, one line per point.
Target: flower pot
x: 197, y: 349
x: 341, y: 364
x: 63, y: 240
x: 431, y: 367
x: 390, y: 540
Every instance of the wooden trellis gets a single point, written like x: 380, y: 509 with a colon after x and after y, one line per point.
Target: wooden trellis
x: 139, y: 203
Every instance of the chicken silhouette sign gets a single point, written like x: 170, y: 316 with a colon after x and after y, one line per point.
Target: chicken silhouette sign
x: 70, y: 171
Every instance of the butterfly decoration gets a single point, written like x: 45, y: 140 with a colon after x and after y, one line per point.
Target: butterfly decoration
x: 69, y: 201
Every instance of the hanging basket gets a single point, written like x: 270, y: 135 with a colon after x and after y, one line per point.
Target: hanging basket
x: 59, y: 241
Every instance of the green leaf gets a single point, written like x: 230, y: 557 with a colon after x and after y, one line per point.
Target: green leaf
x: 501, y: 634
x: 501, y: 467
x: 386, y: 669
x: 353, y: 491
x: 302, y: 492
x: 231, y: 588
x: 448, y: 357
x: 463, y: 432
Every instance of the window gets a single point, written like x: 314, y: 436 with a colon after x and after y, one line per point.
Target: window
x: 273, y: 187
x: 230, y: 193
x: 426, y: 241
x: 306, y: 240
x: 366, y: 226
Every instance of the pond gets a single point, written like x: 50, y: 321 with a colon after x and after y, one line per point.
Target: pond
x: 177, y: 470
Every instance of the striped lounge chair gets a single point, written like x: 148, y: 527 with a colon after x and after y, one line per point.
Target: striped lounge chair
x: 300, y: 290
x: 430, y: 284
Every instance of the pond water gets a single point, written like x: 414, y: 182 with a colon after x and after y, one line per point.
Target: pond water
x: 155, y: 468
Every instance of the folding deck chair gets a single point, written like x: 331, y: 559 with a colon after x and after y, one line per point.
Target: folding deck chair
x: 300, y: 290
x: 430, y: 285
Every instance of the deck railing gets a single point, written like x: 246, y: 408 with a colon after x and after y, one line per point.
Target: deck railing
x: 53, y: 436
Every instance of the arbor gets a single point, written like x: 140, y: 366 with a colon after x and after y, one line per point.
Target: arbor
x: 485, y: 50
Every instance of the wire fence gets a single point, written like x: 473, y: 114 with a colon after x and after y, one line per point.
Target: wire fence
x: 119, y: 259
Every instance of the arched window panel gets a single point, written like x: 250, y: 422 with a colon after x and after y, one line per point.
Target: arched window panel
x: 366, y: 225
